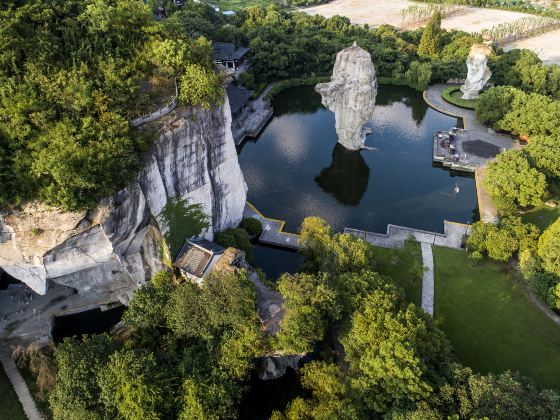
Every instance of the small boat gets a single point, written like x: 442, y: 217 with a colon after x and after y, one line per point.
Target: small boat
x: 456, y: 189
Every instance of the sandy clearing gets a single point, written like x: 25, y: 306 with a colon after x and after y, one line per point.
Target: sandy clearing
x: 378, y: 12
x: 547, y: 46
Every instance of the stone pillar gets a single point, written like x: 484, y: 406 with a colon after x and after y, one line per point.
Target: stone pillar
x: 478, y: 72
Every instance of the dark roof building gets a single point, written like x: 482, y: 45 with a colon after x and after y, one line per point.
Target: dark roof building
x: 229, y: 55
x: 238, y: 97
x: 197, y: 257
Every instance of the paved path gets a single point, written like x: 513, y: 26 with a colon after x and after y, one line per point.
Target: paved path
x: 253, y: 119
x: 477, y: 131
x: 20, y: 387
x: 428, y: 290
x: 273, y: 229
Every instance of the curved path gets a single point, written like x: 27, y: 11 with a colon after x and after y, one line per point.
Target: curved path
x: 477, y: 130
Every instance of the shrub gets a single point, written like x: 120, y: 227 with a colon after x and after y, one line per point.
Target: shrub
x: 549, y: 248
x: 236, y: 238
x: 252, y: 226
x: 476, y: 257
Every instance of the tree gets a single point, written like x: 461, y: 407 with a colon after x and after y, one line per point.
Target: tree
x: 493, y: 104
x: 511, y: 177
x: 549, y: 248
x: 332, y: 253
x: 200, y: 87
x: 180, y: 220
x: 137, y: 386
x: 431, y: 37
x: 77, y: 394
x: 543, y: 153
x: 236, y: 238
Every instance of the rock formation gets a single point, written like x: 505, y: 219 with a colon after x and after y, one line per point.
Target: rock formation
x: 274, y: 366
x: 351, y: 96
x: 116, y: 247
x: 478, y: 72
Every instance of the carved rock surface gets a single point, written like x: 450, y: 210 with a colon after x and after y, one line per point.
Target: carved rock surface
x: 351, y: 95
x: 478, y: 72
x: 116, y: 247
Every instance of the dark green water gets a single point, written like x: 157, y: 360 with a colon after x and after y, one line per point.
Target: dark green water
x: 276, y: 261
x: 296, y: 168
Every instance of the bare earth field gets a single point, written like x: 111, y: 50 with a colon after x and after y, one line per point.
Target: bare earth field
x: 378, y: 12
x: 547, y: 46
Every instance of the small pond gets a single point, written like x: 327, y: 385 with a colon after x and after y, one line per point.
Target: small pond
x: 295, y: 168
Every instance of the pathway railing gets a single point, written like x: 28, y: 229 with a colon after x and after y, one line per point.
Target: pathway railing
x: 160, y: 112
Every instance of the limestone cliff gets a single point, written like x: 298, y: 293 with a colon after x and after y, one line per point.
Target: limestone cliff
x: 478, y: 72
x: 351, y: 95
x: 116, y: 247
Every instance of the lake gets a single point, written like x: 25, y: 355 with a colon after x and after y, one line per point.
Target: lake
x: 296, y: 168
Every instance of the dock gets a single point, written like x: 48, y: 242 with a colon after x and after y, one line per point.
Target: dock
x: 273, y: 229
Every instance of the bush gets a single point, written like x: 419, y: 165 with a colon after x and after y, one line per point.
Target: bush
x: 493, y: 104
x: 236, y: 238
x: 476, y: 257
x: 252, y: 226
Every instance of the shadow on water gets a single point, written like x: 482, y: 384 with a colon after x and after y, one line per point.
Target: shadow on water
x: 264, y: 397
x: 275, y: 261
x: 304, y: 100
x: 347, y: 177
x: 94, y: 321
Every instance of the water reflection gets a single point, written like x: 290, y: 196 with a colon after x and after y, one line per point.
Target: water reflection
x: 347, y: 177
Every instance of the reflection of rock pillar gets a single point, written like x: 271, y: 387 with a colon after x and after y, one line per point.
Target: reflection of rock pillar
x: 347, y: 177
x: 478, y: 72
x: 351, y: 95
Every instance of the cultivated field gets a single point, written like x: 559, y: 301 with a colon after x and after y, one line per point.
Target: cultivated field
x: 378, y: 12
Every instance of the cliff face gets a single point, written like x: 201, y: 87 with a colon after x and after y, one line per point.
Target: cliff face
x: 116, y: 247
x: 478, y: 72
x: 351, y: 95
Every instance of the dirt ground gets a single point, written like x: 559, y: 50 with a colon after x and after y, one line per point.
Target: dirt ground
x: 378, y: 12
x: 547, y: 46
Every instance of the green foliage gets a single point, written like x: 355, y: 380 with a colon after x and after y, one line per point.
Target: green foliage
x: 199, y: 86
x: 511, y: 177
x: 419, y: 74
x: 136, y: 386
x: 543, y: 153
x: 503, y: 241
x: 549, y: 248
x: 310, y: 303
x: 252, y: 226
x: 493, y: 104
x: 236, y: 238
x: 332, y: 253
x: 77, y: 393
x: 181, y: 221
x: 430, y: 42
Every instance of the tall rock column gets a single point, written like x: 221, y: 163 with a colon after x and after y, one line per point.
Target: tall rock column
x: 478, y: 72
x: 351, y: 96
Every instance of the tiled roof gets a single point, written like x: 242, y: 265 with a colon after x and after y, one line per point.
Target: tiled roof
x: 228, y: 51
x: 196, y: 255
x: 237, y: 96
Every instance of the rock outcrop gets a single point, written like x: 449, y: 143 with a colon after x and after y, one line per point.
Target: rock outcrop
x: 117, y: 247
x: 351, y: 95
x: 478, y: 72
x: 273, y: 367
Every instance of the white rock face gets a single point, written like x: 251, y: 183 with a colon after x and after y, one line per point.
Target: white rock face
x: 478, y: 72
x: 351, y: 96
x: 116, y: 248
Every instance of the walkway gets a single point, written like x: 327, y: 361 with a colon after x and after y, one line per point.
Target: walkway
x: 253, y: 119
x: 477, y: 131
x: 19, y: 385
x: 273, y: 229
x: 428, y: 290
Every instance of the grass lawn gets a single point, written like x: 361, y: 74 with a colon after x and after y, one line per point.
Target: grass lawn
x: 10, y: 408
x: 401, y: 265
x: 542, y: 216
x: 454, y: 96
x: 490, y: 322
x: 239, y: 4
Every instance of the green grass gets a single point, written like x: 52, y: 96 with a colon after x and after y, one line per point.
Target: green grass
x: 542, y: 216
x: 402, y: 266
x: 453, y: 96
x: 490, y: 322
x: 236, y: 5
x: 10, y: 408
